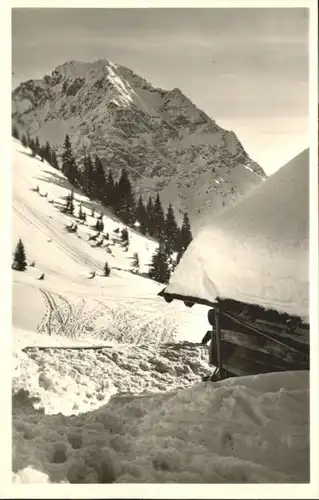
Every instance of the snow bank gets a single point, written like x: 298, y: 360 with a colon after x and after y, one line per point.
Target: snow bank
x: 245, y: 430
x: 71, y: 381
x: 256, y: 251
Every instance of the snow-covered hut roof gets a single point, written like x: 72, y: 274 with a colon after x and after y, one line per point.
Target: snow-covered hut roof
x: 256, y: 251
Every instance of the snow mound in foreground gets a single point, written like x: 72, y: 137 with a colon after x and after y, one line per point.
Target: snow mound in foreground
x: 244, y: 430
x: 257, y: 251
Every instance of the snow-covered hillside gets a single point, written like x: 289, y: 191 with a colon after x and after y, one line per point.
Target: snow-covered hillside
x: 100, y: 306
x: 167, y: 144
x: 134, y: 409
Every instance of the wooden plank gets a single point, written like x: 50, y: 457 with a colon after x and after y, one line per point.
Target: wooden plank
x: 239, y: 359
x: 251, y: 340
x: 44, y: 348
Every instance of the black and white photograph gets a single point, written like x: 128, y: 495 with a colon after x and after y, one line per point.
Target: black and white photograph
x: 161, y: 170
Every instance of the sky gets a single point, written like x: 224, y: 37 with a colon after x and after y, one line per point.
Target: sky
x: 247, y: 68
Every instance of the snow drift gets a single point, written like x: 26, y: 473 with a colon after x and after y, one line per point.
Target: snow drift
x: 244, y: 430
x: 257, y: 251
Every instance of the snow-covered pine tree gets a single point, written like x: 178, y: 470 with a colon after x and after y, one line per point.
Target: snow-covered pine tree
x: 107, y: 269
x: 19, y: 258
x: 171, y: 232
x: 159, y: 268
x: 136, y: 263
x: 69, y: 167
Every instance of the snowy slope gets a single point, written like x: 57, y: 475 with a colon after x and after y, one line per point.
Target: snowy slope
x: 257, y: 251
x: 67, y: 301
x: 134, y: 410
x: 167, y: 144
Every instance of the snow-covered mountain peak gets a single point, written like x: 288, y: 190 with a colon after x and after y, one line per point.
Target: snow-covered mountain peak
x: 168, y: 145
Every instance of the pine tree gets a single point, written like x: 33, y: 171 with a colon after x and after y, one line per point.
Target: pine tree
x: 24, y: 141
x: 46, y: 152
x: 41, y: 153
x: 185, y: 234
x: 99, y: 226
x: 88, y: 176
x: 54, y: 160
x: 107, y: 269
x: 159, y: 268
x: 99, y: 181
x: 15, y: 132
x: 32, y: 146
x: 158, y: 218
x: 125, y: 237
x: 68, y: 161
x: 141, y: 215
x: 70, y: 202
x: 171, y: 231
x: 150, y: 218
x: 125, y: 202
x: 80, y: 214
x: 29, y: 140
x: 37, y: 146
x: 19, y: 258
x: 136, y: 263
x: 110, y: 190
x: 70, y: 206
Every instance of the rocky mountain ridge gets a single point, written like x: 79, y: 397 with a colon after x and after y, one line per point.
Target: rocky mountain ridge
x: 167, y: 144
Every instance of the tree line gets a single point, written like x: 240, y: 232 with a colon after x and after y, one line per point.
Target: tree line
x: 44, y: 151
x: 99, y: 184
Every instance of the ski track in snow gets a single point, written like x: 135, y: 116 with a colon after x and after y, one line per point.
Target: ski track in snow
x: 43, y: 224
x: 118, y: 321
x: 132, y: 407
